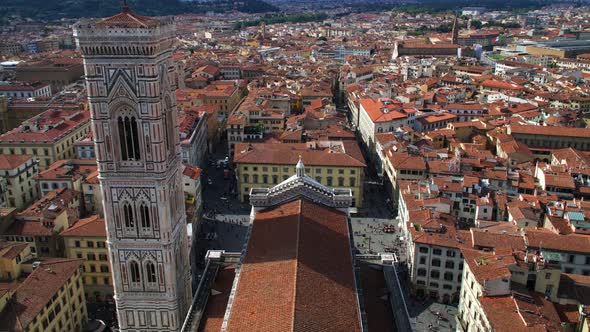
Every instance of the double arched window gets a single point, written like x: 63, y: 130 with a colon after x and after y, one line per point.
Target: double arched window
x: 128, y: 215
x: 150, y: 269
x: 144, y: 215
x: 135, y: 272
x: 128, y: 137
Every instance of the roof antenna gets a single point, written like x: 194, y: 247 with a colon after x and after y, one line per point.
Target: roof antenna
x: 125, y: 8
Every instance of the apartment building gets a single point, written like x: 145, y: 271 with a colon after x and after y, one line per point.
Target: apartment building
x: 50, y: 298
x: 40, y: 224
x: 380, y: 116
x: 335, y: 164
x: 18, y: 188
x: 86, y: 240
x: 192, y: 127
x: 65, y: 173
x: 49, y: 136
x: 25, y: 90
x: 551, y: 137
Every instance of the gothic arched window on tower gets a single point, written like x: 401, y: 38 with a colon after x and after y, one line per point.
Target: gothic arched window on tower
x: 169, y: 131
x: 128, y: 137
x: 151, y: 273
x: 134, y: 271
x: 144, y: 215
x: 128, y: 215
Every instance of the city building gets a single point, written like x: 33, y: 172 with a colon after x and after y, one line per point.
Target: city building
x: 49, y: 137
x: 138, y: 155
x: 50, y: 298
x: 193, y: 137
x: 65, y: 173
x: 58, y: 72
x: 261, y: 113
x: 25, y: 90
x: 18, y: 188
x: 12, y: 254
x: 86, y: 240
x: 225, y: 94
x: 335, y: 164
x: 549, y: 137
x: 40, y: 224
x: 85, y: 147
x: 424, y: 49
x: 380, y: 116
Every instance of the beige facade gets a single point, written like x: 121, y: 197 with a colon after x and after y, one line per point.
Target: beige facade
x: 17, y: 180
x: 47, y: 144
x: 268, y: 175
x: 87, y: 240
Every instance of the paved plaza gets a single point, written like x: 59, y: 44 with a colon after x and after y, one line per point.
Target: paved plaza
x: 374, y: 236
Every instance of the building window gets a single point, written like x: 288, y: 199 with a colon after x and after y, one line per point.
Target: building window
x: 434, y: 274
x: 422, y: 272
x: 436, y: 252
x: 451, y: 253
x: 449, y: 264
x: 128, y: 137
x: 151, y: 272
x: 169, y: 127
x: 340, y: 182
x: 424, y: 250
x: 329, y: 181
x: 435, y: 262
x: 144, y: 213
x: 135, y: 274
x: 90, y: 244
x: 104, y: 268
x: 77, y: 244
x: 128, y: 215
x: 448, y: 276
x: 352, y: 182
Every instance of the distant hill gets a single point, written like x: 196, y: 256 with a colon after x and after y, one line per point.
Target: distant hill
x: 55, y: 9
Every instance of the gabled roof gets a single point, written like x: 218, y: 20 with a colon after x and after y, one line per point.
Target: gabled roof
x: 33, y: 294
x: 12, y: 161
x: 127, y: 19
x: 93, y: 226
x: 297, y: 274
x: 336, y: 153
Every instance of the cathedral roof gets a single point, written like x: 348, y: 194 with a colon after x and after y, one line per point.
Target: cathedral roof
x: 297, y: 274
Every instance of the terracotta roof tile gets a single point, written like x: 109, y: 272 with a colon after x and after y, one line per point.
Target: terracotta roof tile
x: 32, y: 295
x: 340, y: 153
x: 12, y: 161
x: 297, y: 274
x: 93, y: 226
